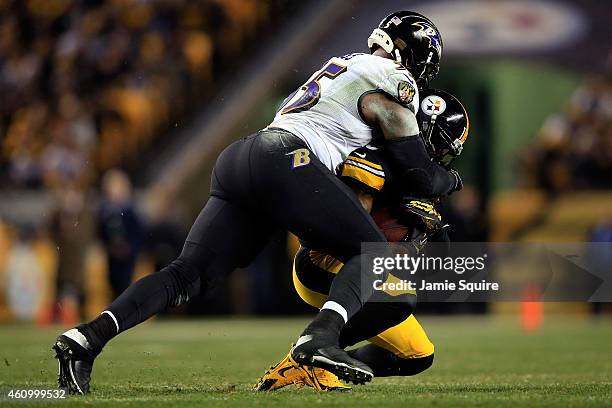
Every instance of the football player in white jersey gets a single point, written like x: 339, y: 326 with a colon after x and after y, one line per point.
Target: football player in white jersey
x: 325, y: 114
x: 398, y: 345
x: 283, y: 178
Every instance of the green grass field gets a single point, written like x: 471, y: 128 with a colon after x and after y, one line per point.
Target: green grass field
x: 480, y: 362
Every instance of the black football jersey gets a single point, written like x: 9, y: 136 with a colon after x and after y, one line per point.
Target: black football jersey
x: 366, y: 168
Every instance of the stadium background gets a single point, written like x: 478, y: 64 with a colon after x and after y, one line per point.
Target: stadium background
x: 98, y: 95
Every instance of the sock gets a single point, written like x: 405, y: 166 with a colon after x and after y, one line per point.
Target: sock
x: 99, y: 331
x: 328, y: 321
x: 173, y: 285
x: 386, y: 364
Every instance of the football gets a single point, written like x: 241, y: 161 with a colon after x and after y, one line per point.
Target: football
x: 393, y: 229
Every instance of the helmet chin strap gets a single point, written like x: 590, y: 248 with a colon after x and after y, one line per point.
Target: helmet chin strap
x: 432, y: 124
x: 425, y: 65
x: 398, y: 57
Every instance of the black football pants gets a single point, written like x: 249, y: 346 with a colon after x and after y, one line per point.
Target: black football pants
x: 261, y: 183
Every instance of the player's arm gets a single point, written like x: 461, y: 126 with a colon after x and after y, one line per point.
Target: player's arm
x: 419, y: 174
x: 365, y: 198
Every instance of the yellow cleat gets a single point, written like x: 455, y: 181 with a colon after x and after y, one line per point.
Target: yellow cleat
x: 324, y: 380
x: 288, y: 372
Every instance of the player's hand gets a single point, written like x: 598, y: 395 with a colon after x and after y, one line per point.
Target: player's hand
x: 423, y: 213
x: 427, y: 221
x: 458, y: 182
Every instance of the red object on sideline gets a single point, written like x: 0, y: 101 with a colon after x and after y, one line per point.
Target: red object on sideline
x: 532, y: 308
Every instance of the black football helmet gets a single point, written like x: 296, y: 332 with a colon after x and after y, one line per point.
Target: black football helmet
x: 444, y: 124
x: 413, y: 40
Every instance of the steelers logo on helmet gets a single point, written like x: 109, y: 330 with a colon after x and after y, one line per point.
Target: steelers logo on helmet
x: 433, y: 105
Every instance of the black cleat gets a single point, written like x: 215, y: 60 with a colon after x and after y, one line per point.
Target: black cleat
x: 75, y: 362
x: 314, y: 350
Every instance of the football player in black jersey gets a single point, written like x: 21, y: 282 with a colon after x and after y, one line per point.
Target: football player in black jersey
x: 398, y: 345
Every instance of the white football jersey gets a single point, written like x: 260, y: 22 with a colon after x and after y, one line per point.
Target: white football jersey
x: 324, y: 112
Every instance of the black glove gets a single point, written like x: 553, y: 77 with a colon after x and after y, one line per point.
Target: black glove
x: 458, y: 182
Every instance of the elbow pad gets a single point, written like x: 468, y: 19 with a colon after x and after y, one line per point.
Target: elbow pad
x: 418, y: 175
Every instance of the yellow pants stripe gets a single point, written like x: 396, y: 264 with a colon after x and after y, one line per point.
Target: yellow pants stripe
x: 406, y: 340
x: 311, y: 297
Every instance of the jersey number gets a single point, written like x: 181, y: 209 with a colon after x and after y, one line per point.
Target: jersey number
x: 308, y: 95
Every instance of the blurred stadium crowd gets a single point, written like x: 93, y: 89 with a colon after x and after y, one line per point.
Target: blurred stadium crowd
x: 87, y: 87
x: 87, y: 84
x: 573, y: 149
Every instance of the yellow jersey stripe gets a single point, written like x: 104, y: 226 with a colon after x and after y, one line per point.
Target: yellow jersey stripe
x: 372, y: 170
x: 359, y: 174
x: 366, y: 162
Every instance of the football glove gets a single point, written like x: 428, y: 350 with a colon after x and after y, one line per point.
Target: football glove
x: 424, y: 216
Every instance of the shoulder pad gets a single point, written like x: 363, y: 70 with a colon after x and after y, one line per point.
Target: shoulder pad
x: 401, y: 87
